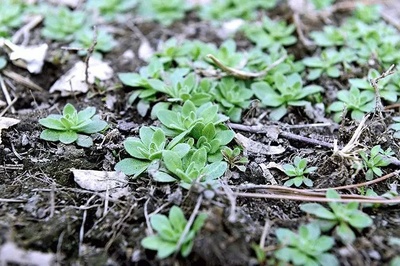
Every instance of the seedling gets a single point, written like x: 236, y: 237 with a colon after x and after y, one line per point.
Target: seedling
x: 307, y: 247
x: 169, y: 232
x: 231, y: 9
x: 111, y: 9
x: 358, y: 103
x: 289, y: 92
x: 146, y: 150
x: 330, y: 36
x: 84, y: 40
x: 164, y: 12
x: 297, y: 172
x: 182, y: 121
x: 321, y: 4
x: 271, y: 33
x: 61, y: 24
x: 10, y: 16
x: 387, y: 92
x: 374, y: 162
x: 193, y: 167
x: 342, y: 217
x: 233, y: 96
x: 234, y: 159
x: 327, y: 63
x: 66, y: 127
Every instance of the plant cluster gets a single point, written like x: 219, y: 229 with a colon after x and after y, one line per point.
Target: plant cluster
x: 11, y: 16
x: 72, y: 126
x: 111, y: 9
x: 191, y: 154
x: 169, y: 233
x: 270, y: 33
x: 374, y: 161
x: 341, y: 217
x: 307, y: 247
x: 232, y: 9
x: 164, y: 12
x: 297, y: 172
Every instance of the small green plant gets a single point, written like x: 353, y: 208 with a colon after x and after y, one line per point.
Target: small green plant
x: 189, y: 119
x: 84, y: 40
x: 169, y: 232
x: 190, y: 168
x: 386, y: 91
x: 307, y: 247
x: 327, y: 63
x: 297, y: 172
x: 164, y: 12
x: 110, y: 9
x: 396, y: 126
x: 234, y: 159
x: 66, y: 127
x: 374, y: 161
x: 321, y: 4
x: 231, y: 9
x: 11, y: 16
x: 330, y: 36
x: 271, y: 33
x: 367, y: 13
x: 61, y: 24
x: 233, y: 96
x: 358, y: 103
x: 289, y: 92
x: 342, y: 217
x: 146, y: 150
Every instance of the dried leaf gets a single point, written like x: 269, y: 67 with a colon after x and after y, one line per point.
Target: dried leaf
x: 99, y: 180
x: 6, y: 122
x: 257, y: 148
x: 11, y: 254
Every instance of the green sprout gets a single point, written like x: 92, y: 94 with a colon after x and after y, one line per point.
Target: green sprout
x: 233, y: 96
x: 68, y: 126
x: 297, y: 172
x: 307, y: 247
x: 321, y: 4
x: 289, y: 92
x: 61, y: 24
x: 271, y: 33
x: 386, y: 91
x: 234, y: 159
x: 146, y: 150
x: 84, y: 40
x: 330, y: 36
x: 11, y: 16
x: 342, y: 217
x: 358, y: 103
x: 111, y: 9
x: 170, y: 230
x: 327, y: 63
x: 191, y: 168
x: 374, y: 161
x: 164, y: 12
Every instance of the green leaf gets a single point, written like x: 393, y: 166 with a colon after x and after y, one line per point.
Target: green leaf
x: 93, y: 127
x: 318, y: 210
x: 52, y: 123
x: 345, y: 233
x: 166, y: 249
x: 68, y: 137
x: 360, y: 220
x: 131, y: 79
x: 84, y: 141
x: 177, y: 219
x: 130, y: 166
x: 163, y: 177
x: 181, y: 149
x: 69, y: 109
x: 172, y: 161
x: 86, y: 114
x: 50, y: 135
x: 133, y: 146
x: 152, y: 242
x: 278, y: 113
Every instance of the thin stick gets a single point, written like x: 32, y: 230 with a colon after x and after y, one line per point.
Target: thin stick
x: 6, y: 93
x: 2, y: 200
x: 23, y: 31
x: 297, y: 22
x: 89, y: 54
x: 189, y: 224
x: 82, y: 229
x: 146, y: 216
x: 8, y: 106
x: 22, y: 80
x: 374, y: 83
x: 243, y: 74
x: 267, y: 225
x: 364, y: 184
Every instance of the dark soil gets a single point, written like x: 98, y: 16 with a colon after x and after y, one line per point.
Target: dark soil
x: 55, y: 215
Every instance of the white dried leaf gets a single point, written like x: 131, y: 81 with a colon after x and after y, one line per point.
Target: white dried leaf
x: 257, y: 148
x: 11, y: 254
x: 145, y: 51
x: 229, y: 28
x: 29, y: 57
x: 74, y: 81
x: 6, y: 122
x: 99, y: 180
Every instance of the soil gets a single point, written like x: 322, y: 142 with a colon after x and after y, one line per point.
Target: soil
x: 52, y: 214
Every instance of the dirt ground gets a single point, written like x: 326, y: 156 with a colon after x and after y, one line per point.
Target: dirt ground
x: 47, y: 211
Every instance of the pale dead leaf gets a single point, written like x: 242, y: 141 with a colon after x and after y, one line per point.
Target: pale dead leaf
x: 145, y: 51
x: 10, y: 254
x: 29, y: 57
x: 99, y: 180
x: 229, y: 28
x: 6, y: 122
x: 257, y: 148
x: 74, y: 81
x: 267, y: 174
